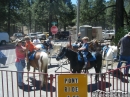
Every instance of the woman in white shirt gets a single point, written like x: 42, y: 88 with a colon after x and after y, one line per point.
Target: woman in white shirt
x: 36, y: 41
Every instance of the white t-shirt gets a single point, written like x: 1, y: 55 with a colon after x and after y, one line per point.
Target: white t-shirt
x: 36, y: 41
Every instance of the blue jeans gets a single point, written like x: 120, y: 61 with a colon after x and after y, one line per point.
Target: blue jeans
x: 124, y: 58
x: 84, y: 56
x: 20, y: 66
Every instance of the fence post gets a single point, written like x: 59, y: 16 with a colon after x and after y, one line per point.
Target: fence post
x: 51, y: 88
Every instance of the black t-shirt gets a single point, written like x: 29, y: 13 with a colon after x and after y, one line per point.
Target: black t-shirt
x: 125, y: 46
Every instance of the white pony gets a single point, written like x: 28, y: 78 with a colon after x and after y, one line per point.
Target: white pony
x: 40, y: 61
x: 51, y: 52
x: 110, y: 55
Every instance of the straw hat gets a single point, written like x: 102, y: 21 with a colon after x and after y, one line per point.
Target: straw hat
x: 85, y: 38
x: 17, y: 41
x: 27, y: 38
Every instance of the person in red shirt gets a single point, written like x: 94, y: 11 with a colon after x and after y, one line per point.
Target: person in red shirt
x: 20, y: 61
x: 30, y: 49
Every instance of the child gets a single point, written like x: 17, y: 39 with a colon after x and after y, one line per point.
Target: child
x: 84, y: 51
x: 30, y: 49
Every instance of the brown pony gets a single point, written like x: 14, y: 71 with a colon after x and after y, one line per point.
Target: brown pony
x: 94, y: 46
x: 41, y: 63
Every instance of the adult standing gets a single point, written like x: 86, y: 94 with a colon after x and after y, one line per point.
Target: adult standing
x: 77, y: 43
x: 49, y: 42
x: 124, y: 44
x: 36, y: 41
x: 79, y: 37
x: 20, y: 61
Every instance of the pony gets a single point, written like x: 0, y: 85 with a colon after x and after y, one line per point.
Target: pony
x: 77, y: 62
x: 50, y: 52
x: 40, y: 61
x: 111, y: 53
x: 95, y: 46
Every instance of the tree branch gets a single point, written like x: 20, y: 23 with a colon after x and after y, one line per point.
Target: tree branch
x: 102, y: 11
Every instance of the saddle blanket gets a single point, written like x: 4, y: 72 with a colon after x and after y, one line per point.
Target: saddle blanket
x: 32, y: 56
x: 93, y: 58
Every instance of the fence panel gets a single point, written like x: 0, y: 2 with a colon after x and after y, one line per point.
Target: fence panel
x: 109, y: 84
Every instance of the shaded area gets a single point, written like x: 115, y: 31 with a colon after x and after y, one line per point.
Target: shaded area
x: 98, y: 86
x: 36, y: 85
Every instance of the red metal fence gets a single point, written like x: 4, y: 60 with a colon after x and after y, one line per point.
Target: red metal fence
x: 110, y: 84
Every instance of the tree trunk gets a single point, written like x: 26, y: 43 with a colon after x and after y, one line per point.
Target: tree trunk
x: 9, y: 18
x: 64, y: 27
x: 119, y: 15
x: 35, y: 26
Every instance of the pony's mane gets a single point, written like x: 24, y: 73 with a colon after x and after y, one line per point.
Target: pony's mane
x: 71, y: 51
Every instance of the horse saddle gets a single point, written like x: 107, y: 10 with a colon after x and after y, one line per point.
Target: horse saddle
x: 90, y: 56
x: 31, y: 55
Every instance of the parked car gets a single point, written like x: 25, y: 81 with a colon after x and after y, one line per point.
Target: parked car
x: 47, y: 34
x: 4, y: 38
x: 15, y: 36
x: 63, y: 35
x: 32, y: 35
x: 108, y: 34
x: 41, y: 36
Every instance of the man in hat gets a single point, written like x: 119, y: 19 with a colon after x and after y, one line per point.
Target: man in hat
x: 124, y: 44
x: 84, y: 50
x: 30, y: 49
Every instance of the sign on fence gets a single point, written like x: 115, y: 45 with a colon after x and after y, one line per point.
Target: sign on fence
x: 72, y: 85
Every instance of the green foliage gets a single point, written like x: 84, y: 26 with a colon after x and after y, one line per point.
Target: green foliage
x: 110, y: 15
x: 121, y: 33
x: 90, y: 12
x: 35, y: 13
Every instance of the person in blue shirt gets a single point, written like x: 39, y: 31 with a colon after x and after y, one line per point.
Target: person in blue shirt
x: 105, y: 49
x: 48, y: 42
x: 84, y: 51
